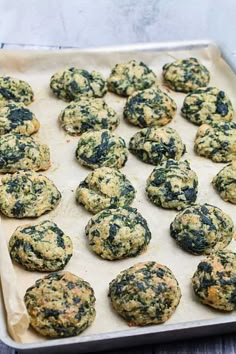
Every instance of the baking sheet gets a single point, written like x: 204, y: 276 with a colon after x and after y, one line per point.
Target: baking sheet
x: 36, y: 68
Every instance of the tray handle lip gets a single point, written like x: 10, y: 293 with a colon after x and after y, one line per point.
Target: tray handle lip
x: 156, y: 46
x: 200, y: 324
x: 162, y: 45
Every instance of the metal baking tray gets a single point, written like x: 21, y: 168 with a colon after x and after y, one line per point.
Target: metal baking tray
x: 132, y: 336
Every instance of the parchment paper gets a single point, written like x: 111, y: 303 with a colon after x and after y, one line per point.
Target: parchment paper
x: 37, y: 68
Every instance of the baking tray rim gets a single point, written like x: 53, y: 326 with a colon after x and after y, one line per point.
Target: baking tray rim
x: 194, y: 326
x: 128, y: 333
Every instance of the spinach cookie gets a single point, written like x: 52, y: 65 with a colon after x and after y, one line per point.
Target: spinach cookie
x: 26, y: 194
x: 172, y: 185
x: 69, y: 84
x: 15, y: 90
x: 202, y: 229
x: 18, y: 151
x: 207, y: 105
x: 146, y: 293
x: 105, y: 188
x: 118, y: 233
x: 217, y: 141
x: 154, y: 145
x: 43, y: 247
x: 150, y: 107
x: 101, y: 149
x: 225, y: 182
x: 87, y: 114
x: 60, y: 305
x: 214, y: 281
x: 16, y: 118
x: 129, y: 77
x: 185, y: 75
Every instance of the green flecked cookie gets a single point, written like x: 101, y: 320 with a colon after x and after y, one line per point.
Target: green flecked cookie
x: 146, y: 293
x: 202, y: 229
x: 42, y: 247
x: 225, y: 182
x: 118, y: 233
x: 15, y: 90
x: 70, y: 84
x: 18, y: 151
x: 214, y: 281
x: 60, y: 305
x: 207, y: 105
x: 126, y: 78
x: 185, y: 75
x: 26, y: 194
x: 150, y: 107
x: 154, y: 145
x: 88, y: 114
x: 101, y: 149
x: 216, y: 141
x: 172, y: 185
x: 105, y: 188
x: 16, y: 118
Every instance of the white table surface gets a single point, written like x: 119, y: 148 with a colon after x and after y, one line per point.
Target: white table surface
x: 95, y: 23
